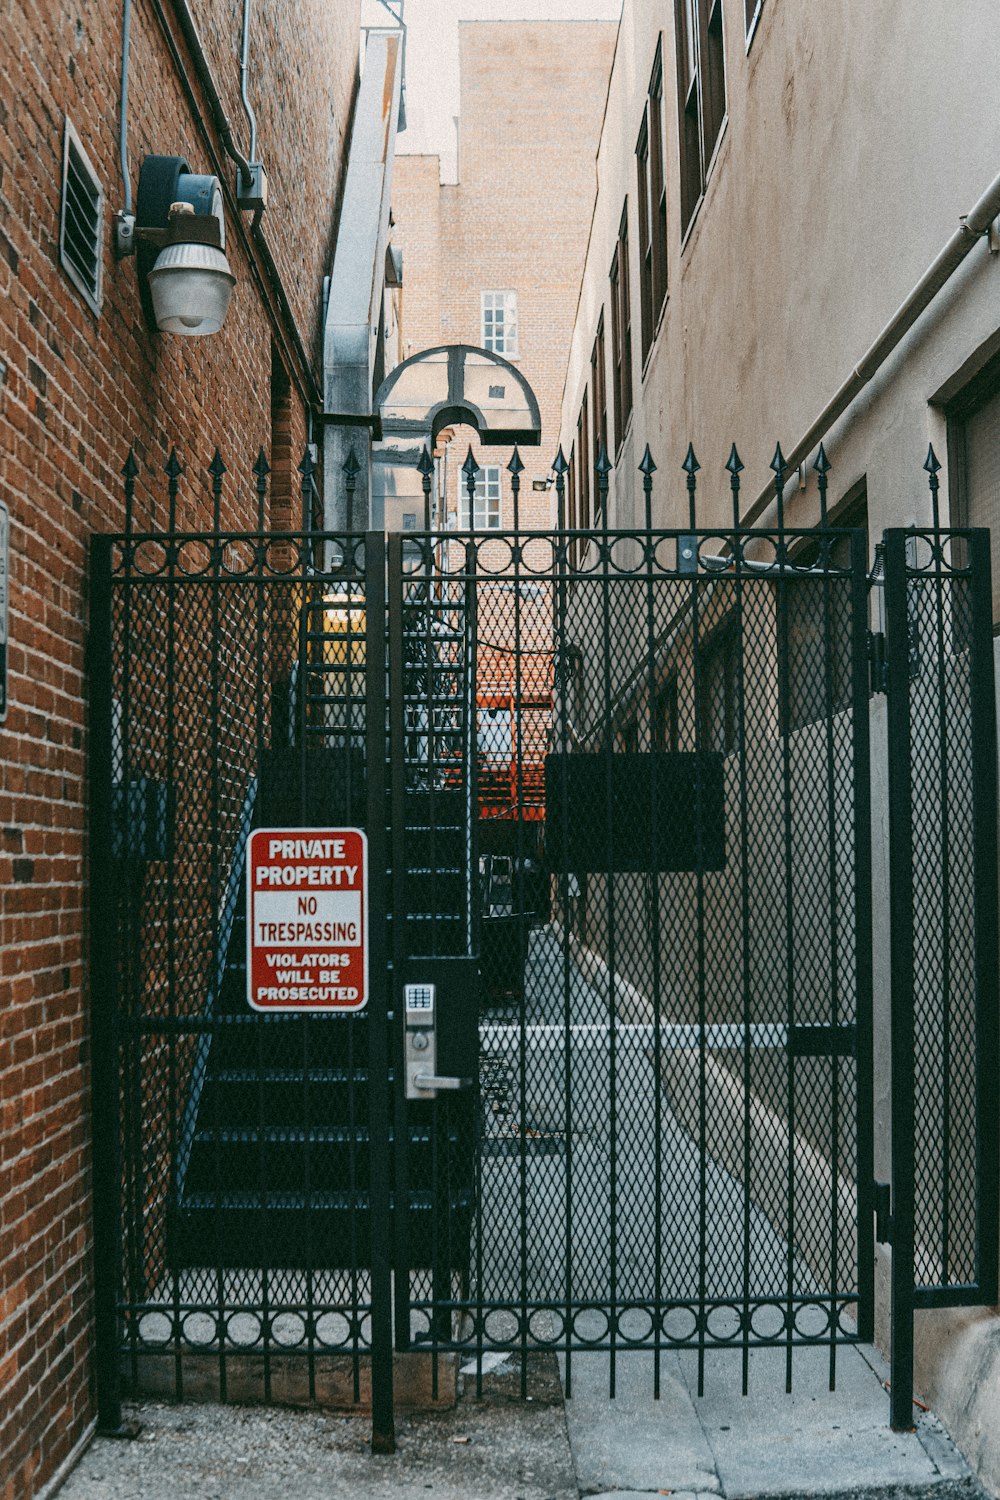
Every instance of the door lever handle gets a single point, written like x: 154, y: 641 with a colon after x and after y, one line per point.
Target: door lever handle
x: 431, y: 1081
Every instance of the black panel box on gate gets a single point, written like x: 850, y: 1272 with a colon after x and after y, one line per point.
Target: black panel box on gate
x: 315, y: 788
x: 627, y: 813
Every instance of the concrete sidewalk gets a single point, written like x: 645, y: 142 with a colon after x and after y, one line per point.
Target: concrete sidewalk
x: 766, y: 1444
x: 722, y: 1446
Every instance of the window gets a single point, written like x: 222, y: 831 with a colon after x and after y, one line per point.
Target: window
x: 500, y: 323
x: 621, y: 333
x: 599, y: 386
x: 718, y: 709
x: 486, y: 513
x: 81, y: 221
x: 701, y: 94
x: 652, y: 207
x: 818, y: 622
x: 974, y: 463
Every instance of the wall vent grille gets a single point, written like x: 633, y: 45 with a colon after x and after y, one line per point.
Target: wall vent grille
x: 81, y: 224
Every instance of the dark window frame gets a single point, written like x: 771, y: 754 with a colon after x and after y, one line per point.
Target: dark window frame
x: 621, y: 333
x: 701, y: 96
x: 599, y: 386
x: 651, y: 173
x: 981, y: 390
x: 583, y: 459
x: 805, y: 612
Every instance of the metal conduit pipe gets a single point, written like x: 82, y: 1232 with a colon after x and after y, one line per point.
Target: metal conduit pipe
x: 204, y: 71
x: 970, y: 229
x: 244, y: 80
x: 123, y: 108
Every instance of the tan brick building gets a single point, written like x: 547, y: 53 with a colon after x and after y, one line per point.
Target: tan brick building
x: 495, y: 259
x: 83, y: 376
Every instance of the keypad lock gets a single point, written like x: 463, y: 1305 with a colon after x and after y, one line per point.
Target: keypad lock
x: 420, y: 1049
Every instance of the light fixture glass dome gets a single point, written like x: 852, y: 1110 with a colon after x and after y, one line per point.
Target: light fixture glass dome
x: 191, y: 286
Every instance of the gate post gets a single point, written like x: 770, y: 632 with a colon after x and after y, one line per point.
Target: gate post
x: 104, y: 1069
x: 379, y: 1099
x: 983, y: 729
x: 901, y: 980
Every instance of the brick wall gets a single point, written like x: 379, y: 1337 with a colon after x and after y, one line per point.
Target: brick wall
x: 532, y: 100
x: 76, y: 390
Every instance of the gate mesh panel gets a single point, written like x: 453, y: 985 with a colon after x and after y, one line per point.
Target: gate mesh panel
x: 662, y: 753
x: 239, y: 686
x: 946, y: 1126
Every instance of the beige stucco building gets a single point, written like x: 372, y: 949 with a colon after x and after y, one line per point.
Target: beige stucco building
x: 495, y: 259
x: 775, y: 191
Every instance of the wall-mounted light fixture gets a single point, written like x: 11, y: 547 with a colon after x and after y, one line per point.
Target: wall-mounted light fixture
x: 185, y: 281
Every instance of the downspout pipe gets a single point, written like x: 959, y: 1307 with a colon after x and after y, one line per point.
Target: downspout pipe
x: 971, y: 229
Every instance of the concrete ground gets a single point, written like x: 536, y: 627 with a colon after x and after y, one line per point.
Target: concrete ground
x: 721, y: 1447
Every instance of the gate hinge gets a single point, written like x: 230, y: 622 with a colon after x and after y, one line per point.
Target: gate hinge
x: 877, y: 669
x: 883, y: 1215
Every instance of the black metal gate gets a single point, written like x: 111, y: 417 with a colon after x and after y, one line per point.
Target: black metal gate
x: 617, y: 789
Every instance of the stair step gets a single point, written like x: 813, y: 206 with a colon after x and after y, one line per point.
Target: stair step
x: 288, y: 1075
x: 286, y: 1135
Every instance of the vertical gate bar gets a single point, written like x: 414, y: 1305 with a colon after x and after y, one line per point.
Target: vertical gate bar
x: 863, y: 943
x: 602, y: 470
x: 784, y: 718
x: 735, y: 467
x: 515, y: 467
x: 131, y: 959
x: 944, y: 877
x: 399, y: 906
x: 561, y: 695
x: 339, y: 556
x: 261, y: 469
x: 832, y: 643
x: 472, y: 586
x: 173, y: 468
x: 691, y: 468
x: 987, y: 949
x: 104, y: 996
x: 379, y: 1099
x: 902, y: 986
x: 311, y: 592
x: 216, y: 470
x: 647, y: 469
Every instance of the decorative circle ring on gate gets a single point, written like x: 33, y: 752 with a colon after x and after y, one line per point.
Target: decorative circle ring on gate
x: 244, y: 1329
x: 767, y: 1320
x: 288, y: 1329
x: 680, y: 1325
x: 545, y: 1325
x: 634, y: 1325
x: 240, y: 556
x: 200, y: 1329
x: 148, y: 559
x: 156, y: 1329
x: 334, y: 1329
x: 724, y: 1323
x: 194, y: 557
x: 812, y: 1321
x: 596, y: 1325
